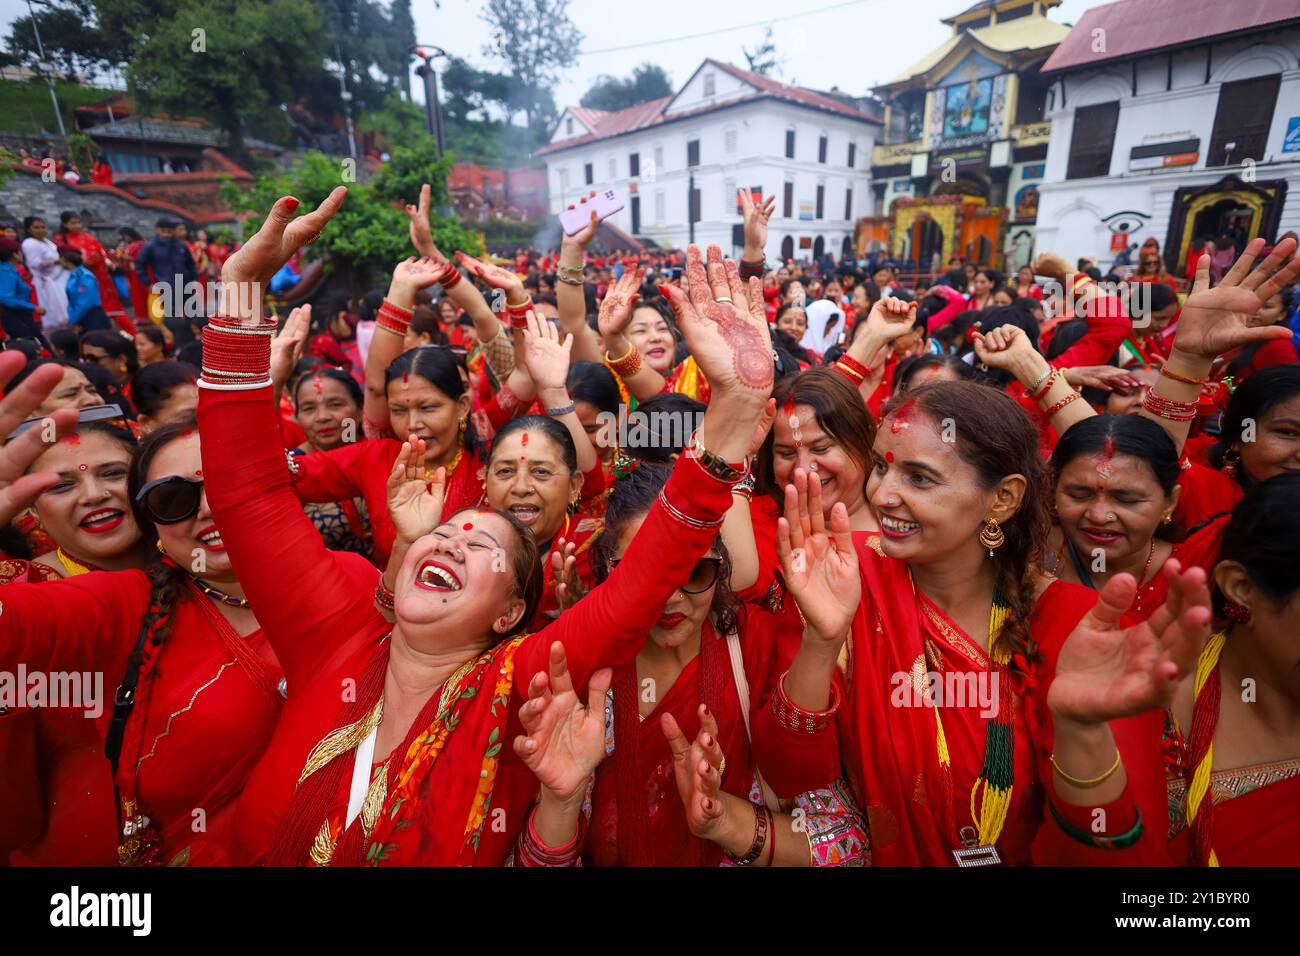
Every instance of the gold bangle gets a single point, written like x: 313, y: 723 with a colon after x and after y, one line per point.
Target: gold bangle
x: 1095, y: 781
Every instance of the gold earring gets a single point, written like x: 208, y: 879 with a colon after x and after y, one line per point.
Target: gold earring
x: 1167, y: 519
x: 463, y: 425
x: 991, y: 536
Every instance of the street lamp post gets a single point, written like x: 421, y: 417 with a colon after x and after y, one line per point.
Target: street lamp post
x: 432, y: 111
x: 44, y: 66
x: 346, y: 96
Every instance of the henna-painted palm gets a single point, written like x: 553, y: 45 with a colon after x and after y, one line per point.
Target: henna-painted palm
x: 619, y: 303
x: 728, y: 338
x: 494, y: 275
x: 280, y: 236
x: 1106, y: 671
x: 820, y: 569
x: 19, y: 490
x: 564, y: 742
x: 1215, y: 321
x: 414, y: 503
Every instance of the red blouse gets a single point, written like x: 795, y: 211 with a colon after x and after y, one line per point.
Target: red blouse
x: 326, y: 630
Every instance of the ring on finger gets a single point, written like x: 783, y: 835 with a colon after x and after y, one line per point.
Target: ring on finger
x: 722, y: 767
x: 723, y: 298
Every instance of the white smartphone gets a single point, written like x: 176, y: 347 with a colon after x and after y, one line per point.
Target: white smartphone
x: 606, y: 203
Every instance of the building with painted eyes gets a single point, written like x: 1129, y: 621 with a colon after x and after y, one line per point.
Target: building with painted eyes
x: 965, y: 139
x: 1173, y: 120
x: 677, y: 163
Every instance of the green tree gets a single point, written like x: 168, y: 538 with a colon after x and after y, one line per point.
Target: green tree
x: 648, y: 81
x: 369, y: 233
x: 234, y: 62
x: 68, y: 35
x: 535, y: 39
x: 763, y: 59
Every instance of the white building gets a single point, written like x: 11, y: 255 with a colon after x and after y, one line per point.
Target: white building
x: 725, y: 128
x: 1178, y: 119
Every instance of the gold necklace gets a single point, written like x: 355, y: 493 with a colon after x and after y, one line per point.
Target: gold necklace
x: 451, y: 470
x: 72, y: 565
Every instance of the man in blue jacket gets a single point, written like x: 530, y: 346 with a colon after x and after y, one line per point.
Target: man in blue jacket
x: 85, y: 308
x: 166, y: 268
x: 19, y: 315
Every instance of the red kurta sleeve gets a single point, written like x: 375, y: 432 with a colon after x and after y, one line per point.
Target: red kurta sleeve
x: 88, y: 622
x: 310, y: 601
x: 608, y: 627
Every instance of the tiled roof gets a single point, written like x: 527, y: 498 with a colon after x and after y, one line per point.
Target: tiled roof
x: 146, y: 129
x: 1139, y: 26
x: 651, y: 113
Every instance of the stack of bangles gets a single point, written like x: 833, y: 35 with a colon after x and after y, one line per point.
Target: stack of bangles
x: 393, y: 318
x: 753, y: 269
x: 795, y: 718
x: 450, y: 277
x: 764, y: 836
x: 851, y: 369
x: 1168, y: 408
x: 569, y: 275
x: 236, y: 355
x: 531, y: 851
x: 385, y: 597
x: 519, y: 313
x: 626, y: 366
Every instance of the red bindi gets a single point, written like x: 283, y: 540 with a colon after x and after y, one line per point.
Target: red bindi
x: 467, y: 526
x: 524, y: 440
x: 199, y: 473
x: 315, y: 381
x: 889, y: 457
x: 73, y: 441
x: 81, y: 467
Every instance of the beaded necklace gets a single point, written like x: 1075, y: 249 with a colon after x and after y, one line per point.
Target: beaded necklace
x: 219, y: 595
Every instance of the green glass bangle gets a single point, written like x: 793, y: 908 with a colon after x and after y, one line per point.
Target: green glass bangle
x: 1120, y: 841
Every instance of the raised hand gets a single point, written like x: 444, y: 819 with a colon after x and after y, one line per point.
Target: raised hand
x: 421, y: 236
x: 281, y: 235
x: 619, y: 303
x: 731, y: 344
x: 1052, y: 265
x: 1215, y: 321
x: 1004, y: 347
x: 286, y: 347
x: 889, y: 319
x: 756, y: 215
x: 19, y: 490
x: 493, y: 275
x: 564, y: 742
x: 1106, y: 671
x: 564, y: 566
x: 546, y: 355
x: 412, y: 274
x: 697, y: 767
x: 582, y: 238
x: 1106, y: 377
x: 820, y: 569
x: 414, y: 503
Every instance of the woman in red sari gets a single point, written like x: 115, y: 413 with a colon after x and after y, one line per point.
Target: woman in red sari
x: 702, y: 662
x: 204, y: 683
x: 406, y: 765
x: 95, y: 258
x: 1234, y: 758
x: 1260, y: 433
x: 983, y: 712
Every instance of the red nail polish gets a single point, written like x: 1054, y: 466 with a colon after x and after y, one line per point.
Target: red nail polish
x: 291, y: 204
x: 663, y: 290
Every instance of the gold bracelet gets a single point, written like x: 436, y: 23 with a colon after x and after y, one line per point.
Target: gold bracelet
x: 1095, y: 781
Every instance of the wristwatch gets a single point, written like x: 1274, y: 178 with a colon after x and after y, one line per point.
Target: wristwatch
x: 714, y: 465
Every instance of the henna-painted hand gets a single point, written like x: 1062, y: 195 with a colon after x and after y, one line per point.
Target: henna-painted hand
x: 17, y: 489
x: 414, y: 503
x: 619, y: 303
x: 564, y: 742
x: 725, y: 328
x: 1215, y: 321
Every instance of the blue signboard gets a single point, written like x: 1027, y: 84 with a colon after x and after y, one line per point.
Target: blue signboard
x: 1291, y: 144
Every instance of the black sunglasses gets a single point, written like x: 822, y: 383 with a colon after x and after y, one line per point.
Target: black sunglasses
x: 170, y: 500
x: 95, y: 413
x: 703, y: 576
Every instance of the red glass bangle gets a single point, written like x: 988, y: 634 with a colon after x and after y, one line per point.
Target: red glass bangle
x: 853, y: 365
x: 1073, y: 396
x: 1046, y: 386
x: 396, y: 310
x: 449, y: 278
x: 795, y: 718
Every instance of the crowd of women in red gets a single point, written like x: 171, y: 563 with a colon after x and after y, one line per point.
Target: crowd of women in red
x: 730, y: 569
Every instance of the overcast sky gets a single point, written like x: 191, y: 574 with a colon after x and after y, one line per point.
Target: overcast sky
x: 853, y: 45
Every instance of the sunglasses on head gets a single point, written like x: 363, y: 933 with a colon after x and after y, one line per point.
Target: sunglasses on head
x: 703, y: 576
x: 95, y: 413
x: 170, y: 500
